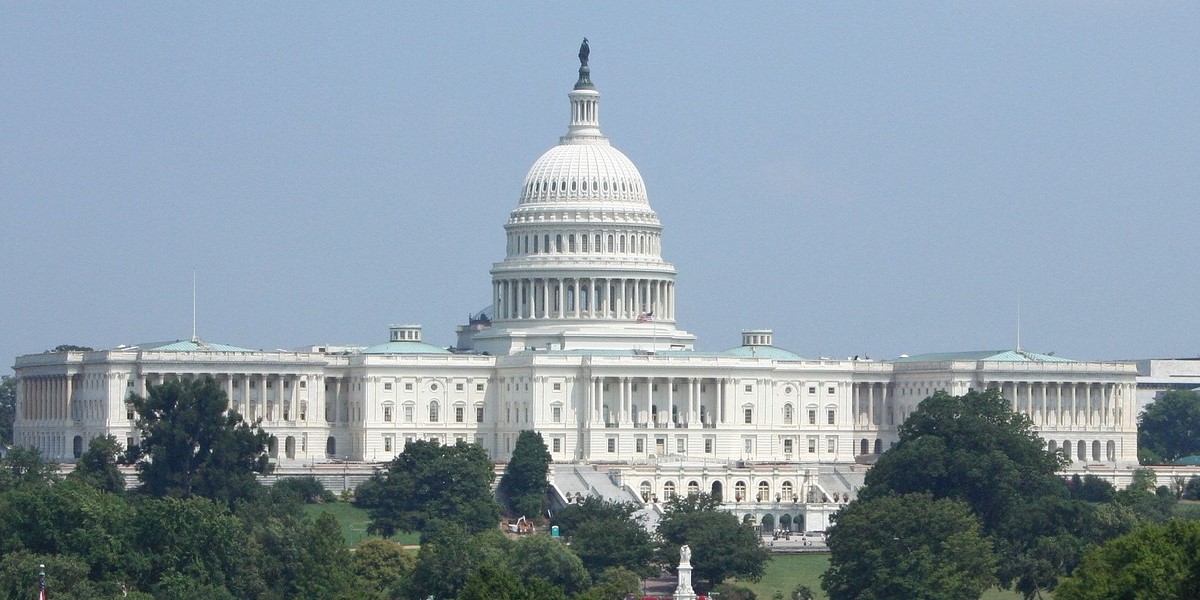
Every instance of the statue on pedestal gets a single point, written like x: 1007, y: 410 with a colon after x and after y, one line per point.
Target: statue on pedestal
x: 683, y: 590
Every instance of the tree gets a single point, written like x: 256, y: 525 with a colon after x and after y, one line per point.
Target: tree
x: 615, y: 582
x: 523, y: 487
x: 383, y: 566
x: 98, y: 466
x: 546, y: 558
x: 24, y: 467
x: 606, y: 535
x: 196, y: 539
x: 430, y: 483
x: 1169, y: 427
x: 8, y: 408
x: 194, y: 445
x: 69, y: 348
x: 449, y: 555
x: 721, y: 546
x: 1153, y: 562
x: 908, y: 546
x: 974, y: 448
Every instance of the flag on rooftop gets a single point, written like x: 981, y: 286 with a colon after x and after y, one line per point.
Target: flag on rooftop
x: 646, y: 317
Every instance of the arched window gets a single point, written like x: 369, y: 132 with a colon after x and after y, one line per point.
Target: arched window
x: 597, y: 242
x: 1112, y: 451
x: 789, y: 494
x: 1081, y: 450
x: 1066, y: 449
x: 878, y: 446
x: 644, y: 489
x: 739, y: 491
x: 583, y: 242
x: 535, y: 245
x: 558, y: 243
x: 546, y: 242
x: 764, y: 491
x: 788, y: 413
x: 1052, y: 446
x: 571, y: 243
x: 668, y: 490
x: 1096, y: 450
x: 865, y: 446
x: 693, y: 488
x: 289, y: 447
x: 610, y: 242
x: 77, y: 446
x: 330, y: 447
x: 622, y: 244
x: 433, y: 411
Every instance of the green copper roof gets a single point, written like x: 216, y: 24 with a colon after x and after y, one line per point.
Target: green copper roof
x: 405, y: 348
x: 770, y: 352
x: 196, y: 345
x: 993, y: 355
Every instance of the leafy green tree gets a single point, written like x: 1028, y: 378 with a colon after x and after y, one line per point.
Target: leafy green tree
x: 306, y: 489
x: 614, y: 582
x: 66, y: 578
x: 491, y: 582
x: 974, y: 448
x: 196, y: 539
x: 721, y: 546
x: 523, y: 487
x: 8, y: 408
x: 542, y: 557
x: 97, y: 466
x: 605, y: 535
x: 908, y: 546
x: 449, y: 555
x: 324, y: 566
x: 1169, y: 427
x: 384, y: 568
x: 1153, y: 562
x: 194, y: 445
x: 1191, y: 489
x: 23, y: 466
x: 69, y: 348
x: 429, y: 483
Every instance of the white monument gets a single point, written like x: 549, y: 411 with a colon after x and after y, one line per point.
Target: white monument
x: 683, y: 590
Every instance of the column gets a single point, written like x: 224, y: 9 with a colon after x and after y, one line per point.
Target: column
x: 622, y: 413
x: 721, y: 400
x: 870, y: 404
x: 575, y: 283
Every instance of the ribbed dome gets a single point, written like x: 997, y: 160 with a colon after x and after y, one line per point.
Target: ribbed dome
x: 585, y: 172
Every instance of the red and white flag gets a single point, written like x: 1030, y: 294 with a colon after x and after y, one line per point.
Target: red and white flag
x: 646, y: 317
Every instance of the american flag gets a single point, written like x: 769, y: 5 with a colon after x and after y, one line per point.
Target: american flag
x: 646, y: 317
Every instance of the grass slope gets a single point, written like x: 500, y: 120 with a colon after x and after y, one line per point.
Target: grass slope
x: 354, y: 522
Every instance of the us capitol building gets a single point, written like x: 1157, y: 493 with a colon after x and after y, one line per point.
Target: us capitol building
x: 582, y: 344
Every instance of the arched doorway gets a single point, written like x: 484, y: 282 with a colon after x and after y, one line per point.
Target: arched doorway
x: 77, y: 446
x: 716, y: 490
x: 878, y: 446
x: 865, y: 447
x: 785, y: 522
x: 331, y: 447
x: 768, y: 522
x: 289, y: 447
x: 273, y: 447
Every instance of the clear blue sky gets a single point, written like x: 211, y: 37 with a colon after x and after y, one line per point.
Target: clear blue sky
x: 864, y: 178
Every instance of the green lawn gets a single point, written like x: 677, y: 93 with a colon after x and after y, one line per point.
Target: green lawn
x: 354, y: 522
x: 786, y: 571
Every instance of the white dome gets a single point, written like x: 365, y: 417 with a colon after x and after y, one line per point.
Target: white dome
x: 585, y: 172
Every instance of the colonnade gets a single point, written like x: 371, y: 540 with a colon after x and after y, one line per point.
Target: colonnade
x: 583, y: 298
x: 45, y: 398
x: 1076, y: 405
x: 585, y: 244
x: 636, y: 397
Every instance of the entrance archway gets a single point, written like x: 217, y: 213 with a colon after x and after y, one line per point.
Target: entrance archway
x: 716, y: 490
x: 289, y: 447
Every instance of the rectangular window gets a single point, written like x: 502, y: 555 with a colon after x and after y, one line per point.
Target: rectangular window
x: 612, y: 445
x: 749, y: 445
x: 681, y: 445
x: 458, y: 414
x: 478, y: 414
x: 253, y: 384
x: 812, y: 389
x: 787, y: 446
x: 557, y: 412
x: 558, y: 387
x: 832, y: 417
x: 749, y: 415
x: 303, y: 384
x: 640, y: 445
x: 270, y: 384
x: 812, y: 445
x: 654, y: 387
x: 556, y: 444
x: 387, y: 443
x: 433, y: 413
x: 831, y: 389
x: 812, y: 416
x: 387, y: 387
x: 634, y: 387
x: 831, y: 444
x: 408, y: 387
x: 129, y: 413
x: 749, y: 388
x: 479, y: 387
x: 387, y: 414
x: 708, y: 446
x: 408, y: 414
x: 287, y: 385
x: 458, y: 387
x: 128, y: 443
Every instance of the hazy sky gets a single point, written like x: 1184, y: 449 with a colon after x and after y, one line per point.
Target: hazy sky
x: 864, y: 178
